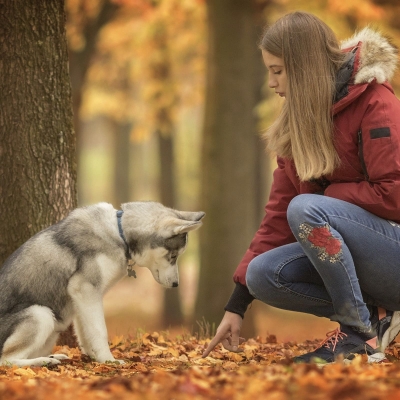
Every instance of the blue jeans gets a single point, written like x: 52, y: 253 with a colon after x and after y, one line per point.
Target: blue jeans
x: 345, y: 258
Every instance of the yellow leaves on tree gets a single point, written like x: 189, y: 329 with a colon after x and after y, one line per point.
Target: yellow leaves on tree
x: 361, y: 10
x: 80, y: 13
x: 149, y: 62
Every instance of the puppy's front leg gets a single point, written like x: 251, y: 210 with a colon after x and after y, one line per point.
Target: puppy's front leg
x: 89, y: 319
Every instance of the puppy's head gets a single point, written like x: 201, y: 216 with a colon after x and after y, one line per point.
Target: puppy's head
x: 156, y: 236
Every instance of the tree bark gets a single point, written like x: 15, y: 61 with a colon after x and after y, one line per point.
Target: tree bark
x: 37, y: 143
x: 172, y: 310
x: 160, y: 70
x: 122, y: 133
x: 229, y: 154
x: 80, y: 61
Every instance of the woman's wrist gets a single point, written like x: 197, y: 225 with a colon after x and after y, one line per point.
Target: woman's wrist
x: 239, y: 300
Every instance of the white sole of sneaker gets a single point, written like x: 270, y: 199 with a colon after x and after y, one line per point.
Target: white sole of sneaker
x: 391, y: 332
x: 376, y: 358
x: 372, y: 359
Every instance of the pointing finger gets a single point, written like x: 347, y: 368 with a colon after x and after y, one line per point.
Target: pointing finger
x: 217, y: 339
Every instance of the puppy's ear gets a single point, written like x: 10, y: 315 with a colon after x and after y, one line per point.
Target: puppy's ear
x: 182, y: 226
x: 187, y: 221
x: 191, y: 215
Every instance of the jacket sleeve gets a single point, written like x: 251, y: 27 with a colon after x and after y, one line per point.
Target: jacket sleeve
x: 379, y: 153
x: 274, y: 230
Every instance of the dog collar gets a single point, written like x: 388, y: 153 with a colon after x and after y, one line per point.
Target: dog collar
x: 121, y: 233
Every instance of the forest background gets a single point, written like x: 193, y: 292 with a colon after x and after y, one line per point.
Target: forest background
x: 169, y: 99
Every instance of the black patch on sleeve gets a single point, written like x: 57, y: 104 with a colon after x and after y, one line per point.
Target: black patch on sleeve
x: 379, y: 133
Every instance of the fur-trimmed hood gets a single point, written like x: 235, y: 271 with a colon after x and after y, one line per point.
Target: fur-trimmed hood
x: 377, y: 56
x: 371, y: 58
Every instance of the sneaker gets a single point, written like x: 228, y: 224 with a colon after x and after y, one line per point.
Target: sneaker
x: 344, y: 343
x: 387, y: 326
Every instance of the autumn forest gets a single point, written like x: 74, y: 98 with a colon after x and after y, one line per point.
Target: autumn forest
x: 164, y: 100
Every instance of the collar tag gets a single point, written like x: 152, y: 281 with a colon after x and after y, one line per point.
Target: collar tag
x: 131, y: 271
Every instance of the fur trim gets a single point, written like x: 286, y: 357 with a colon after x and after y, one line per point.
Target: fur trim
x: 378, y: 57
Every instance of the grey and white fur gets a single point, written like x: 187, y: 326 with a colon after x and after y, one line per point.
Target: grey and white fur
x: 61, y: 274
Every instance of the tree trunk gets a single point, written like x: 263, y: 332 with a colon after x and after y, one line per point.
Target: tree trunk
x: 160, y: 69
x: 172, y: 312
x: 80, y: 61
x: 122, y: 132
x: 229, y: 155
x: 37, y: 144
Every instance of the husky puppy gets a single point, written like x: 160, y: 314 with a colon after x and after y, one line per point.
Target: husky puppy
x: 60, y: 275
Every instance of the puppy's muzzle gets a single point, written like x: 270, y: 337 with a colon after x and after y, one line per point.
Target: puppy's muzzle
x: 175, y: 284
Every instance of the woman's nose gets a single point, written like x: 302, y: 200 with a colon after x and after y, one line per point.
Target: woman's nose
x: 272, y: 83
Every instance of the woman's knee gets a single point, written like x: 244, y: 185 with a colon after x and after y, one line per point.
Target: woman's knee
x: 258, y: 275
x: 268, y: 273
x: 303, y: 208
x: 299, y: 205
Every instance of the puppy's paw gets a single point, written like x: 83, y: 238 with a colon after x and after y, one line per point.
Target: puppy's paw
x: 59, y: 356
x: 114, y: 361
x: 43, y: 361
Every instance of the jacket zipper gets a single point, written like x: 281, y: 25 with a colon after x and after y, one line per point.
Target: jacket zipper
x: 361, y: 155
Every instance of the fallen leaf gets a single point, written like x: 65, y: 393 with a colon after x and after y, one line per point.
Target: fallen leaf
x: 24, y: 372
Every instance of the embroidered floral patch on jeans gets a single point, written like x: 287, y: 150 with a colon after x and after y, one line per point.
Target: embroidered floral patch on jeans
x: 320, y: 237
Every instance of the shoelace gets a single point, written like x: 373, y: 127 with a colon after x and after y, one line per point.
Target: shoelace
x: 332, y: 338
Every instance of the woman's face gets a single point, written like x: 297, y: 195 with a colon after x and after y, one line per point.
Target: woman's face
x: 277, y: 74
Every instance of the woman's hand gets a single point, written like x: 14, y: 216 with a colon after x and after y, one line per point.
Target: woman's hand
x: 227, y: 333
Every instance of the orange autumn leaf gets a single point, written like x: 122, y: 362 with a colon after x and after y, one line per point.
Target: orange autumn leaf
x: 116, y: 341
x: 173, y: 351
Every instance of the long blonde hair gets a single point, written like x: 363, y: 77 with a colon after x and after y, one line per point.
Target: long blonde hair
x: 304, y: 129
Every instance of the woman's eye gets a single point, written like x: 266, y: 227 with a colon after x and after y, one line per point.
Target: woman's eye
x: 277, y: 72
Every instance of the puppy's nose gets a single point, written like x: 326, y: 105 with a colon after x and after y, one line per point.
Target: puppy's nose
x: 175, y: 284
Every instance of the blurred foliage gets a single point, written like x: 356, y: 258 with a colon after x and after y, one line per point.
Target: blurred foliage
x: 126, y: 78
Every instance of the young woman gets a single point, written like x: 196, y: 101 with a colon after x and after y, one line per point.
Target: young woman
x: 329, y: 244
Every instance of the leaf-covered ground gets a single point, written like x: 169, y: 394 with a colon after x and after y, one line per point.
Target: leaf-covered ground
x: 158, y: 367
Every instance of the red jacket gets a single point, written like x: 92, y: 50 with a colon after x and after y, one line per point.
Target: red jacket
x: 367, y: 139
